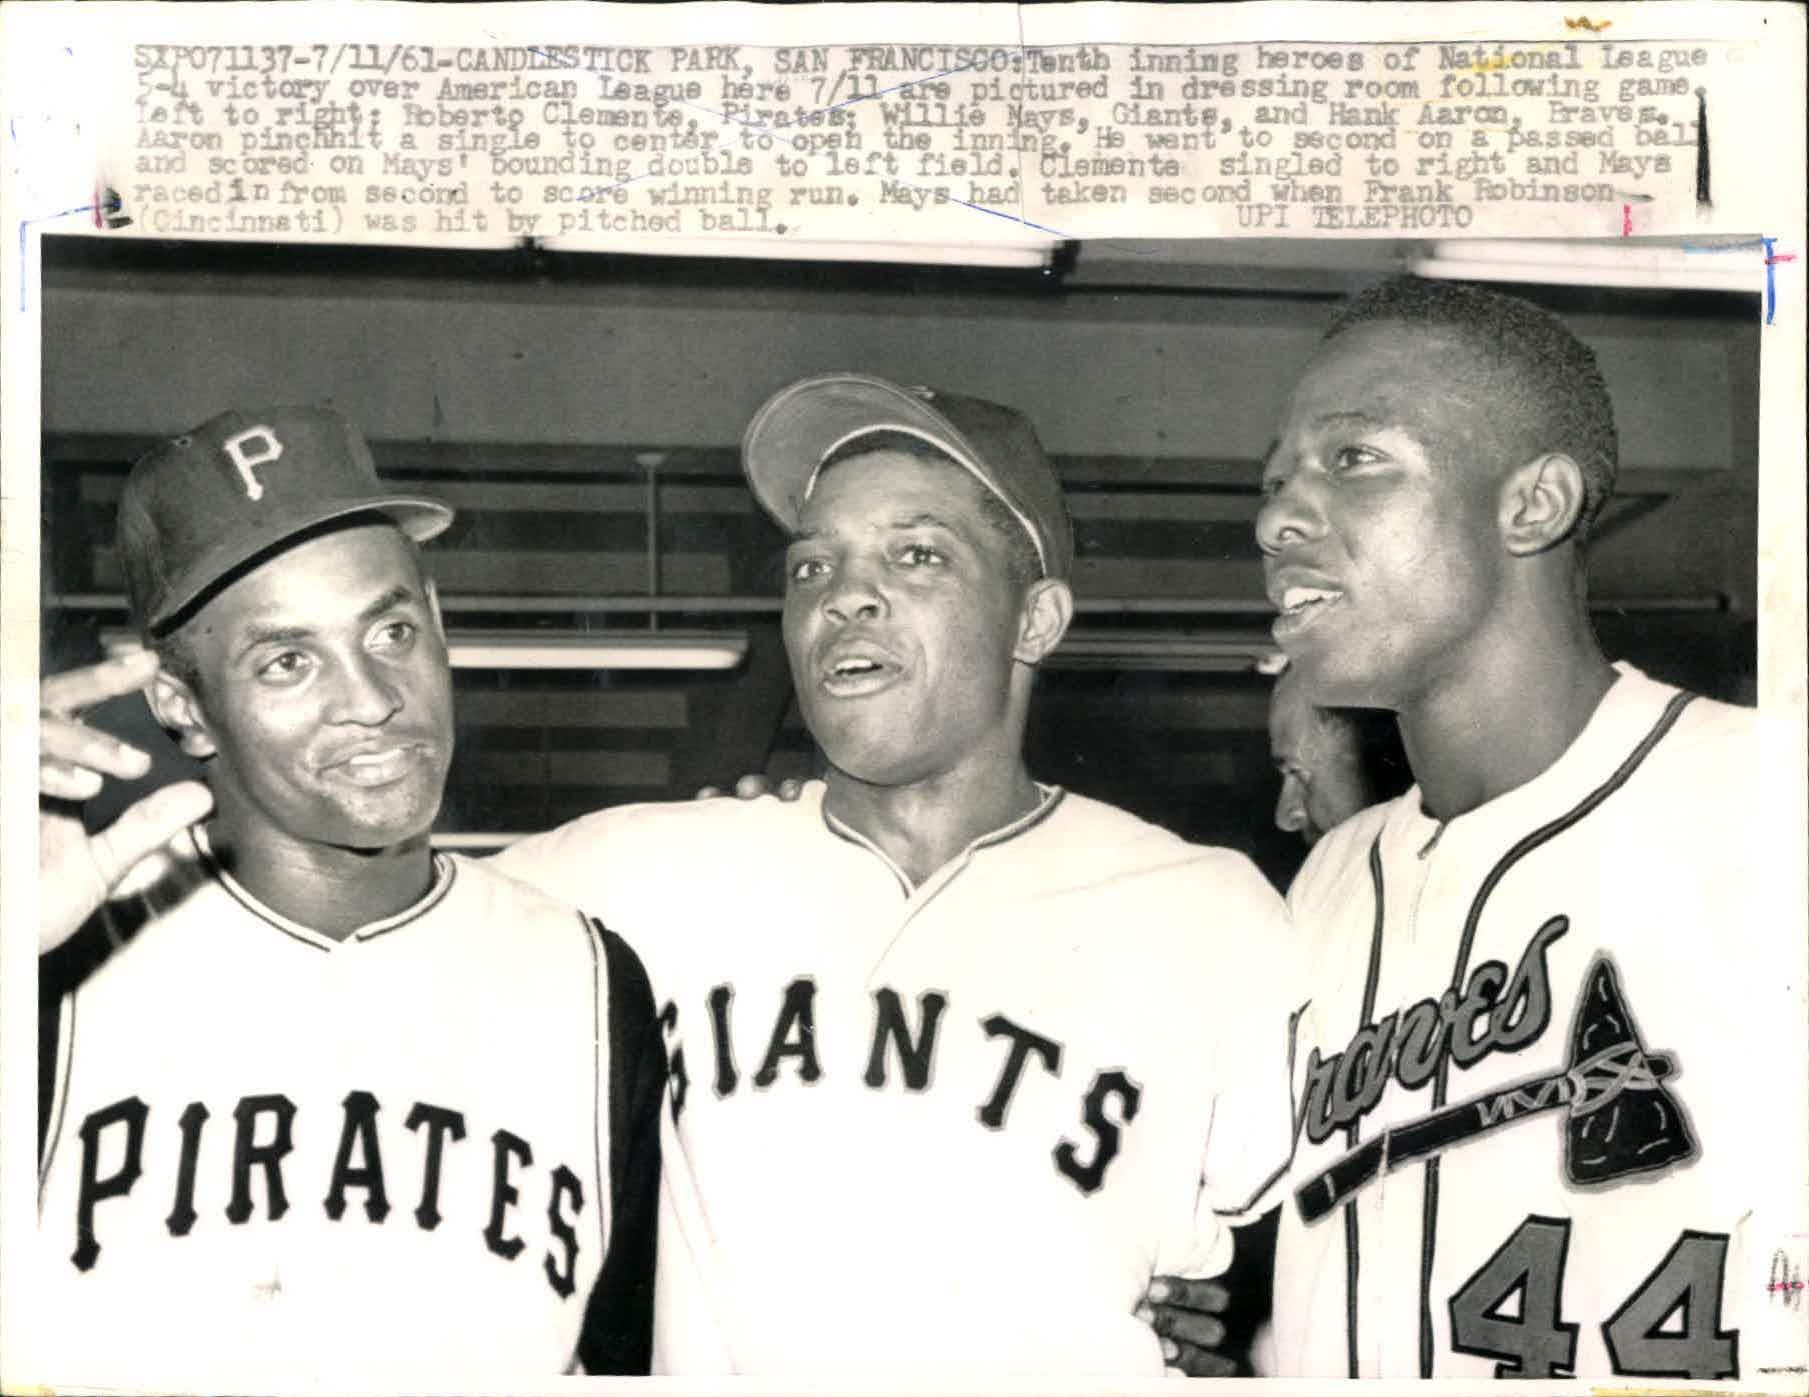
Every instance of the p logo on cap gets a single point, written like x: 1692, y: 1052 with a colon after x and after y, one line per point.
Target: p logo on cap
x: 208, y: 502
x: 235, y: 447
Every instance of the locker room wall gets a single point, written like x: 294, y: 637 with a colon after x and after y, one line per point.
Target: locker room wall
x: 530, y: 391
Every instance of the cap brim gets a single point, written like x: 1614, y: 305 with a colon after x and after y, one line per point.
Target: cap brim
x: 418, y: 517
x: 800, y: 425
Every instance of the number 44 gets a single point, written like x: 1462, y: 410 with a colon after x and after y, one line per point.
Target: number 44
x: 1539, y: 1344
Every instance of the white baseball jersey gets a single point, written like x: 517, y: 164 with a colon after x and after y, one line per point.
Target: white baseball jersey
x: 272, y: 1155
x: 1533, y: 1134
x: 950, y: 1127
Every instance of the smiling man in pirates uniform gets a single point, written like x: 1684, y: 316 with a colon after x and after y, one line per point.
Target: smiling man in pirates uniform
x: 934, y: 1027
x: 1543, y: 982
x: 334, y: 1106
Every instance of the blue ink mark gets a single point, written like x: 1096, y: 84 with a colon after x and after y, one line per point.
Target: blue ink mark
x: 105, y: 205
x: 724, y: 116
x: 1008, y: 217
x: 947, y: 72
x: 25, y: 223
x: 782, y: 137
x: 1772, y: 257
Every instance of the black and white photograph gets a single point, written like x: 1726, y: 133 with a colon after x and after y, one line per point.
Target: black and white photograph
x: 1059, y: 812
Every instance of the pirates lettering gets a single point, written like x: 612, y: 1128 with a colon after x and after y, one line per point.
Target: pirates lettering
x: 1496, y: 1012
x: 113, y: 1159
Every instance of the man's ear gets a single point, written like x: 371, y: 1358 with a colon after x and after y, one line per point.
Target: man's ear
x: 1043, y: 620
x: 178, y: 711
x: 1541, y: 502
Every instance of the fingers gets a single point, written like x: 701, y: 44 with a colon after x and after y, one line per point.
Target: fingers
x: 752, y: 785
x: 1184, y: 1326
x: 72, y: 757
x: 66, y: 746
x: 1208, y: 1297
x: 1182, y: 1313
x: 67, y: 782
x: 1195, y: 1362
x: 790, y: 788
x: 76, y: 689
x: 707, y: 793
x: 147, y: 825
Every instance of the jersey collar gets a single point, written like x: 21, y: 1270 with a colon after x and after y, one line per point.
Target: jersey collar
x: 1048, y: 797
x: 444, y: 874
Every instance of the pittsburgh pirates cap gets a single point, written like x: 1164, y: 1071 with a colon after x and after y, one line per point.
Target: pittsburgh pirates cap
x: 201, y: 504
x: 801, y: 426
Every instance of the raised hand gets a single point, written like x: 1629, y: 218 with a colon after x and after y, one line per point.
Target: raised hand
x: 78, y: 871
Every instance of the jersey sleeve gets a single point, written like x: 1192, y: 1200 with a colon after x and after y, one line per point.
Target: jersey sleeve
x: 566, y: 863
x: 617, y: 1337
x: 1253, y: 1118
x: 1242, y: 986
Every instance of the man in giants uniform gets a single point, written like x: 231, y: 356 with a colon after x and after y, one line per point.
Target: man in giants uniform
x: 958, y: 1060
x: 1545, y: 984
x: 330, y: 1105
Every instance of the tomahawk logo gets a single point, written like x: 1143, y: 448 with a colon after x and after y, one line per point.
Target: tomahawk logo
x: 1621, y: 1120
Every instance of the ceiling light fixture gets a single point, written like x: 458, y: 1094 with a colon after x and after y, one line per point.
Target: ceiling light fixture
x: 1708, y: 264
x: 569, y: 650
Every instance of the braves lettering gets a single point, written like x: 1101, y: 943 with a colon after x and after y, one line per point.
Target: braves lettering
x: 113, y: 1159
x: 1620, y: 1120
x: 1495, y: 1013
x: 1107, y: 1109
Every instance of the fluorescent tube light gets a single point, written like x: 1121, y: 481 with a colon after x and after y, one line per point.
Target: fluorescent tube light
x: 1153, y: 651
x: 1712, y: 264
x: 499, y: 649
x: 657, y: 650
x: 1032, y: 254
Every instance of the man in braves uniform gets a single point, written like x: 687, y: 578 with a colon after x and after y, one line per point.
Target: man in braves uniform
x: 933, y: 1026
x: 1545, y: 982
x: 331, y: 1106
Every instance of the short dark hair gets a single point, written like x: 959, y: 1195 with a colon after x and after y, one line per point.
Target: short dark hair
x: 176, y: 657
x: 1022, y: 563
x: 1544, y: 374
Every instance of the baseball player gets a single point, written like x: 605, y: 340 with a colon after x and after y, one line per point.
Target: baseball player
x: 1531, y: 1138
x: 933, y: 1025
x: 1332, y: 761
x: 334, y: 1106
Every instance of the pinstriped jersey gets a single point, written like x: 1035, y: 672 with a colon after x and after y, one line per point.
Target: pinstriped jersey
x: 953, y: 1127
x: 1528, y: 1139
x: 398, y: 1155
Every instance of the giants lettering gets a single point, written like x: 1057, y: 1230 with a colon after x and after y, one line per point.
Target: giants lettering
x: 1495, y: 1013
x: 895, y: 1039
x: 113, y: 1139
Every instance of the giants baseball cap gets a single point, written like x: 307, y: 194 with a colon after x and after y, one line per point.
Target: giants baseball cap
x: 801, y: 426
x: 201, y: 504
